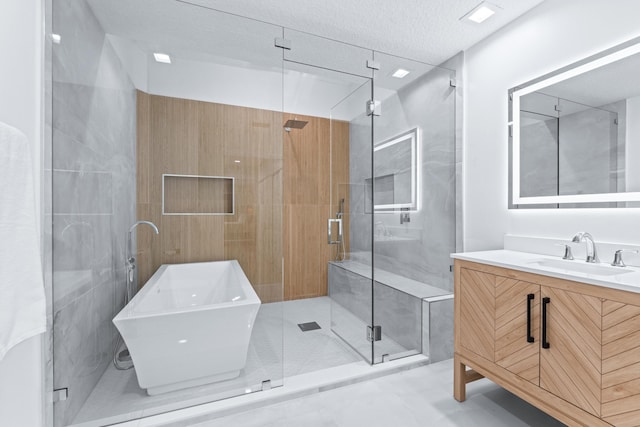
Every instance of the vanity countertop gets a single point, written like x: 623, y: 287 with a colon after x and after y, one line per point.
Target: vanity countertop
x: 602, y: 274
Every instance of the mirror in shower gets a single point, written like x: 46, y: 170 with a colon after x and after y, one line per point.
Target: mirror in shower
x: 573, y: 132
x: 394, y: 185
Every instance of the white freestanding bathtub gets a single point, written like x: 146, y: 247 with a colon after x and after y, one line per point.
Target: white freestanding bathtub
x: 189, y: 325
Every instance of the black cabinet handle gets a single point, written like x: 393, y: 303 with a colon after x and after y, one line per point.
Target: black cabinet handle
x: 530, y: 298
x: 545, y: 301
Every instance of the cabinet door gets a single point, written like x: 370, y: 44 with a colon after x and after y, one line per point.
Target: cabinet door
x: 477, y: 310
x: 517, y: 346
x: 571, y: 368
x: 621, y: 364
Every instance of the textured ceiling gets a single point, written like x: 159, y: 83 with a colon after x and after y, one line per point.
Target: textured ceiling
x: 201, y: 33
x: 425, y: 30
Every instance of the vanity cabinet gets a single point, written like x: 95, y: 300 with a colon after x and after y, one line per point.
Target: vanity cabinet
x: 477, y: 306
x: 571, y: 367
x: 569, y: 348
x: 621, y: 363
x: 517, y: 336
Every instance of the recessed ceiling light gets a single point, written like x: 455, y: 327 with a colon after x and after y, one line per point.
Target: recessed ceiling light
x: 400, y: 73
x: 56, y: 38
x: 236, y: 161
x: 162, y: 57
x: 481, y: 12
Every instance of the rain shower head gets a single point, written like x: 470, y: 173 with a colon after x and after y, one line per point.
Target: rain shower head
x: 294, y: 124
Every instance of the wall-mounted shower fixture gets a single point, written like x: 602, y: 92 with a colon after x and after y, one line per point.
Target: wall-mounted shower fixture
x: 404, y: 215
x: 294, y: 124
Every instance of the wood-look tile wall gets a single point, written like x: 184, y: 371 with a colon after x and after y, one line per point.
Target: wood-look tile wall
x: 309, y: 157
x: 178, y: 136
x: 269, y: 228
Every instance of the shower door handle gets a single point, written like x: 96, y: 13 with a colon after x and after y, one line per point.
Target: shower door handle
x: 330, y: 222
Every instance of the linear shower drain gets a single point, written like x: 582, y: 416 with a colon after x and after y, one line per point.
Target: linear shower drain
x: 309, y: 326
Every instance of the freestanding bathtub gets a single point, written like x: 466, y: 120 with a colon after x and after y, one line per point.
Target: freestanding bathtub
x: 189, y: 325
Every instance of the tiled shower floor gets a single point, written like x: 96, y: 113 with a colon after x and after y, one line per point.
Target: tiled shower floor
x: 117, y: 396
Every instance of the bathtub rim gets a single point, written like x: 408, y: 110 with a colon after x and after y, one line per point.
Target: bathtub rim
x: 128, y: 311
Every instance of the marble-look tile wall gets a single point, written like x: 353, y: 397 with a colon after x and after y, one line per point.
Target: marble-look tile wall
x: 418, y: 249
x: 92, y: 197
x: 437, y: 328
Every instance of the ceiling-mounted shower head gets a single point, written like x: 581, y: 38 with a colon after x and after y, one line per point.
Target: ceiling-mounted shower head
x: 294, y: 124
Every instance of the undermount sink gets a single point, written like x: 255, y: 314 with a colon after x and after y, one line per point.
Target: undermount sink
x: 582, y: 267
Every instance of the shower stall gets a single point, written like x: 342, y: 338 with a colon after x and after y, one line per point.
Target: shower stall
x: 325, y: 171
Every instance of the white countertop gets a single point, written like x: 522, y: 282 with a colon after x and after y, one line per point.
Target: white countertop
x: 627, y: 280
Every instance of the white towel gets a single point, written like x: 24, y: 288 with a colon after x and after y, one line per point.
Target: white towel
x: 22, y: 299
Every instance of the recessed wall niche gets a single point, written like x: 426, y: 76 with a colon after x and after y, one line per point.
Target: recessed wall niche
x: 197, y: 195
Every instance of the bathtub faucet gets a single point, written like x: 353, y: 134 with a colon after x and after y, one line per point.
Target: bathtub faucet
x: 131, y: 260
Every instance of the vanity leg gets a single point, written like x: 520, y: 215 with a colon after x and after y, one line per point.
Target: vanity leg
x: 459, y: 380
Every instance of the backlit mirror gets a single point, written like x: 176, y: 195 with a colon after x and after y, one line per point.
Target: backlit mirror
x: 395, y: 170
x: 574, y: 134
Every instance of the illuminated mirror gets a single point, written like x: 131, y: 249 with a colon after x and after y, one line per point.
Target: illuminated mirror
x: 574, y: 134
x: 395, y: 173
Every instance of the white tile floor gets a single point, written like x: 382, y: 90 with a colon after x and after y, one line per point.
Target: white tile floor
x: 417, y: 397
x: 303, y: 352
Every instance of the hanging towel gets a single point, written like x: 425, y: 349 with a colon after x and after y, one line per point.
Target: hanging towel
x: 22, y: 300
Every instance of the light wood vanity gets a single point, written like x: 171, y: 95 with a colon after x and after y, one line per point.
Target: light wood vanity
x: 570, y: 348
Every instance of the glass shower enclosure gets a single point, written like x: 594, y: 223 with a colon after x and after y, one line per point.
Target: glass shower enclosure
x: 390, y: 219
x: 309, y: 161
x: 195, y: 147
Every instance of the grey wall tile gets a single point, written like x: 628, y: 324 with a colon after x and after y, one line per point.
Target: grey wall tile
x: 92, y: 193
x: 422, y: 246
x: 82, y: 192
x: 441, y: 330
x: 429, y: 104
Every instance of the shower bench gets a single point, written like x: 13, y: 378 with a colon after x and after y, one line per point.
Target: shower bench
x: 415, y: 315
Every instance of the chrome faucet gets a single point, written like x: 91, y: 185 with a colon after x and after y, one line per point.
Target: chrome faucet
x: 592, y: 254
x: 131, y: 260
x: 122, y: 359
x: 617, y: 257
x: 567, y: 251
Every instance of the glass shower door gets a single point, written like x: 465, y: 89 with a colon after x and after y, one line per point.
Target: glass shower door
x: 349, y: 221
x: 330, y: 80
x: 414, y: 207
x: 214, y: 112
